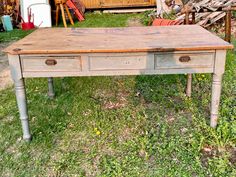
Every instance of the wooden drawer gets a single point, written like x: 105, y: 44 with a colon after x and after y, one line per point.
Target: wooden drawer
x: 184, y: 60
x: 119, y: 62
x: 51, y: 63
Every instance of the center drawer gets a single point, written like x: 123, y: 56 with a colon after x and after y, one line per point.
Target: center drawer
x: 184, y: 60
x: 119, y: 62
x: 50, y: 63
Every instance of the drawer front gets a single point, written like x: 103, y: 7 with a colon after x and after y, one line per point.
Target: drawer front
x: 118, y: 62
x: 51, y: 63
x: 184, y: 60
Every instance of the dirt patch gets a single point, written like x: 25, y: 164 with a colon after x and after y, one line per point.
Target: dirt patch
x: 125, y: 134
x: 209, y: 152
x: 120, y: 102
x: 3, y: 56
x: 133, y: 22
x: 5, y: 76
x: 111, y: 100
x: 232, y: 158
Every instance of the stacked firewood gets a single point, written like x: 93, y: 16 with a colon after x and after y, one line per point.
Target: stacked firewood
x: 210, y: 5
x: 208, y: 12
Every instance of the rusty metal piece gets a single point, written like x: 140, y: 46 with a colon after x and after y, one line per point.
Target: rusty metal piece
x: 228, y: 26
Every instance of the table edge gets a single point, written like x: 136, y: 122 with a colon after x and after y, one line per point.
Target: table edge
x: 19, y: 52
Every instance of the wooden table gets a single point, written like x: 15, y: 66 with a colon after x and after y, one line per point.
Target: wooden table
x: 60, y: 52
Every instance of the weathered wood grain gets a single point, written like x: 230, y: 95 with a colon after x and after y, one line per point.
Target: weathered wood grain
x: 113, y: 40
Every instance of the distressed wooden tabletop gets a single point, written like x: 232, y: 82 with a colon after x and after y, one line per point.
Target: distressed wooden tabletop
x: 114, y: 40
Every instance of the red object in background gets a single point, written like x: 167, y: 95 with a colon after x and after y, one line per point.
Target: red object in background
x: 77, y: 12
x: 165, y: 22
x: 27, y: 25
x: 79, y: 5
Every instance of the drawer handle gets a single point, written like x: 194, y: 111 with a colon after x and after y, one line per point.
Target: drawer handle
x: 50, y: 62
x: 184, y: 58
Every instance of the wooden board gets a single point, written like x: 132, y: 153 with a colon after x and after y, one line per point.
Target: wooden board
x: 117, y: 40
x: 124, y: 11
x: 97, y: 4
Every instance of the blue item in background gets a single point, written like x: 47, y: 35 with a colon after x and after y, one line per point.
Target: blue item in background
x: 6, y: 21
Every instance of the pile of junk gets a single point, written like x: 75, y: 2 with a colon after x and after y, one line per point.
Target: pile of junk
x: 202, y: 12
x: 206, y: 13
x: 28, y: 14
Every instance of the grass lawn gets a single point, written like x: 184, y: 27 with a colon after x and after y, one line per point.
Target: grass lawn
x: 13, y: 35
x: 120, y: 126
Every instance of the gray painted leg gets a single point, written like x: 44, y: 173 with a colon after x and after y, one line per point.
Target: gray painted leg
x: 189, y: 85
x: 51, y: 92
x: 215, y: 101
x: 22, y: 106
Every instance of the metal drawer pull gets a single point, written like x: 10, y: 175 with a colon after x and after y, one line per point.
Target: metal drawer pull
x: 184, y: 58
x: 50, y: 62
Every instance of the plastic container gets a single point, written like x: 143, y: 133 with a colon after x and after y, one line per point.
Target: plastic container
x: 165, y: 22
x: 6, y: 21
x: 27, y: 26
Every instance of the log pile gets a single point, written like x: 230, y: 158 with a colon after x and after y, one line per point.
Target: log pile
x: 208, y: 12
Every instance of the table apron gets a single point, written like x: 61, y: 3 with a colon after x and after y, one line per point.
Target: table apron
x: 109, y: 64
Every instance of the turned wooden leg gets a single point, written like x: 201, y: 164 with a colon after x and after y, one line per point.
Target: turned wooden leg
x: 22, y: 106
x: 63, y: 15
x: 51, y: 92
x: 69, y: 15
x: 215, y: 100
x: 189, y: 76
x: 189, y: 85
x: 57, y: 14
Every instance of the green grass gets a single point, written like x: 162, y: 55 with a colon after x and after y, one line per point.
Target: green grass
x: 106, y: 20
x: 121, y: 126
x: 14, y: 35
